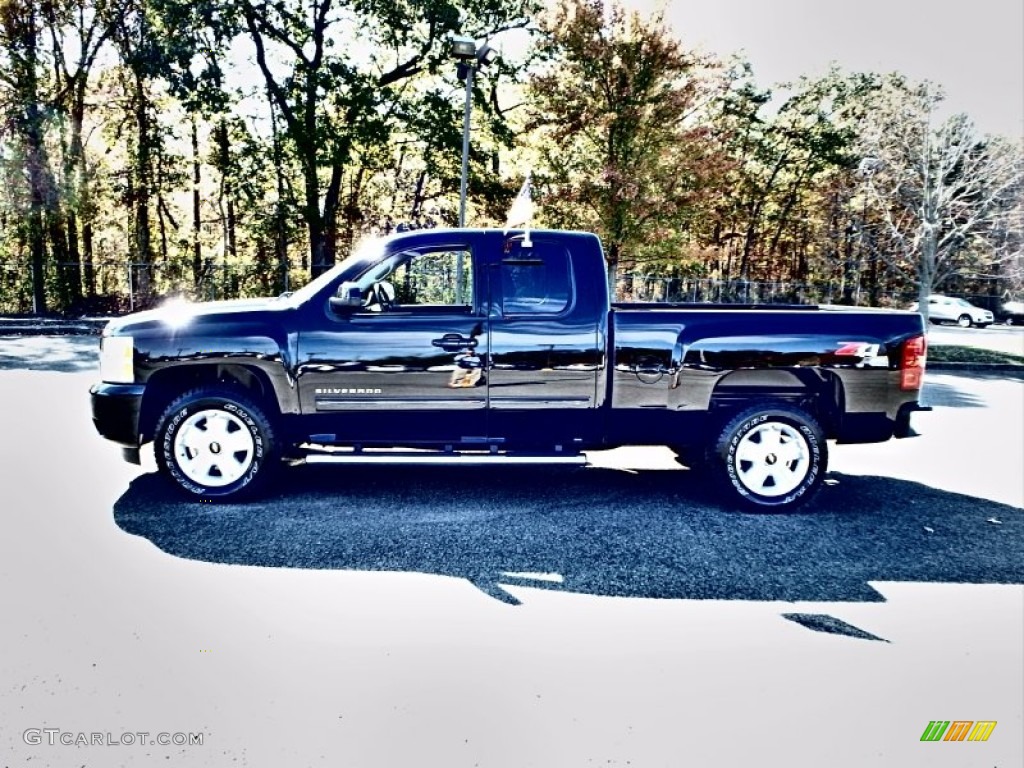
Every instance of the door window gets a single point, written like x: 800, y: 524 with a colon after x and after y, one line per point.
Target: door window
x: 440, y: 279
x: 434, y: 278
x: 536, y: 280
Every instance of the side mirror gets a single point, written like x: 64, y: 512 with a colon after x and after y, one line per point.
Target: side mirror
x: 349, y: 296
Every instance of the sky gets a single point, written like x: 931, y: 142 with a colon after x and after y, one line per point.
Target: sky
x: 974, y: 49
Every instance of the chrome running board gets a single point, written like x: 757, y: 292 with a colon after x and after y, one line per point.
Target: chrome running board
x: 441, y: 458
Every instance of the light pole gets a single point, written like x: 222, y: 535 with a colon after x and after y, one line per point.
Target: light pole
x: 470, y: 59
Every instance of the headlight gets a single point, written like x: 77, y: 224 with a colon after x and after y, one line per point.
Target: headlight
x: 116, y: 359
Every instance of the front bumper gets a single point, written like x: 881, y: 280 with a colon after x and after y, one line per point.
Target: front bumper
x: 115, y: 411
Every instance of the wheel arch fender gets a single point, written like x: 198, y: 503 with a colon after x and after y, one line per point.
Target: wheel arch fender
x: 817, y: 391
x: 166, y: 384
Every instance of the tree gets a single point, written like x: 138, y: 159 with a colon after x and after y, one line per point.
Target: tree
x: 618, y: 130
x: 336, y: 101
x: 143, y: 64
x: 194, y: 36
x: 27, y: 117
x: 942, y: 193
x: 78, y: 31
x: 786, y: 208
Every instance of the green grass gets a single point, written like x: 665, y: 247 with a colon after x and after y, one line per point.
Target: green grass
x: 950, y: 353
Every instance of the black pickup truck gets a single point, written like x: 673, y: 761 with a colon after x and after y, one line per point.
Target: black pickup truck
x: 481, y: 346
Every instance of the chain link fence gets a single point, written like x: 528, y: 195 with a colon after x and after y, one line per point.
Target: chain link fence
x: 110, y: 287
x: 651, y: 288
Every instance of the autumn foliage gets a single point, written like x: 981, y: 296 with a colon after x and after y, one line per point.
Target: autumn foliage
x: 234, y: 148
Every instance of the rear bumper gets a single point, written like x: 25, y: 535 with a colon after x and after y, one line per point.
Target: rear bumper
x: 903, y: 428
x: 115, y: 411
x: 878, y: 427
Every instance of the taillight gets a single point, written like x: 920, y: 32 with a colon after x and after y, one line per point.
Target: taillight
x: 912, y: 363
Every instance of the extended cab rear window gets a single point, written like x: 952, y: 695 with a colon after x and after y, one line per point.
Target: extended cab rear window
x: 536, y: 280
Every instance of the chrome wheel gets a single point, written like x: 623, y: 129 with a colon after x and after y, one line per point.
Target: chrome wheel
x: 964, y: 321
x: 214, y: 448
x: 772, y: 459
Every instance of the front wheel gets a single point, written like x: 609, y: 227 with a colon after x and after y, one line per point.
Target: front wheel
x: 215, y: 443
x: 964, y: 321
x: 771, y: 458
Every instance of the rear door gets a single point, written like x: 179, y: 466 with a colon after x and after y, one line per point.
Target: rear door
x: 545, y: 351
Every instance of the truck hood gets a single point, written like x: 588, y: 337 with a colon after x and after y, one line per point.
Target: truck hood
x: 180, y: 314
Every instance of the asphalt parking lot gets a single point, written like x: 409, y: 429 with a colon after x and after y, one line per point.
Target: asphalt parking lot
x: 615, y: 615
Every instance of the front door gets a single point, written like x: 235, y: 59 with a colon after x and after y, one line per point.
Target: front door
x: 408, y: 367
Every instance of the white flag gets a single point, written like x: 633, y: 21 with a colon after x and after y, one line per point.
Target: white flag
x: 521, y: 211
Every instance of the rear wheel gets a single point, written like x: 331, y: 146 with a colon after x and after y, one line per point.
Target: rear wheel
x: 772, y: 458
x: 215, y: 443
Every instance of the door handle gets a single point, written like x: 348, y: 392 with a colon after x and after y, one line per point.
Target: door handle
x: 453, y: 342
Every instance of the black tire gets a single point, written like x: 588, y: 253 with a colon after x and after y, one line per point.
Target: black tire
x: 224, y: 430
x: 964, y: 321
x: 792, y: 467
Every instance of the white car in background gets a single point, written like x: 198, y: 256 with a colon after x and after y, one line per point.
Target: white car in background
x: 946, y: 309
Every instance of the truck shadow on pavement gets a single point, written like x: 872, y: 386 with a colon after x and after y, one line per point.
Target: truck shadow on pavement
x: 654, y: 534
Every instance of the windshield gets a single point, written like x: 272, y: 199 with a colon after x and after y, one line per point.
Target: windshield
x: 367, y: 253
